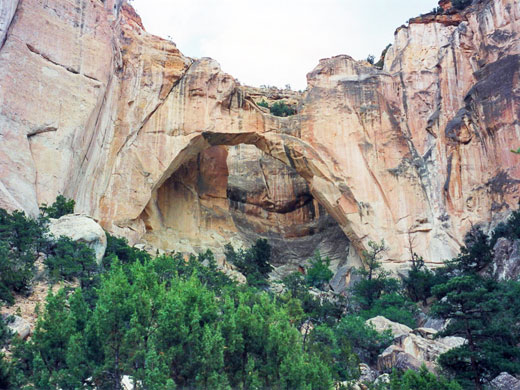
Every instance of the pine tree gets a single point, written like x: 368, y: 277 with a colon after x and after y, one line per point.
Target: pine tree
x: 475, y: 306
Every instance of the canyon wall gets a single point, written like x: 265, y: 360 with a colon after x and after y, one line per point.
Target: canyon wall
x: 172, y: 151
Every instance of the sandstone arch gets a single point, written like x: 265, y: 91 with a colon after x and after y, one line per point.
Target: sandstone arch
x: 337, y: 200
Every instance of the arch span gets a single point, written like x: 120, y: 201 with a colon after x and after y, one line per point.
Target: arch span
x: 336, y: 198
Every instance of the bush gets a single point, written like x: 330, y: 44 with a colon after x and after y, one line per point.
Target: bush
x: 420, y: 380
x: 381, y: 61
x: 178, y: 333
x: 263, y: 103
x: 366, y: 342
x: 253, y: 263
x: 62, y: 206
x: 282, y: 109
x: 119, y: 248
x: 394, y: 307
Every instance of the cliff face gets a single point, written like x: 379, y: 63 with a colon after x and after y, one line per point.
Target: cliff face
x: 171, y: 150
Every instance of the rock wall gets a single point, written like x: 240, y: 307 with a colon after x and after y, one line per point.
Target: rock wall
x: 146, y: 139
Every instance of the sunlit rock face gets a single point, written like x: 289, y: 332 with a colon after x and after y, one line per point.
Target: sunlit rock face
x: 171, y: 150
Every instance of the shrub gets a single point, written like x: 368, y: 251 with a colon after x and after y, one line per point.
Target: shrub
x: 394, y: 307
x: 419, y: 281
x: 263, y: 103
x: 253, y: 263
x: 381, y: 61
x: 318, y: 274
x: 363, y: 338
x: 119, y: 248
x: 420, y: 380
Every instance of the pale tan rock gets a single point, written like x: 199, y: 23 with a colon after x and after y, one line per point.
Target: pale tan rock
x: 81, y: 228
x: 396, y: 357
x: 382, y: 324
x: 411, y: 349
x: 18, y: 325
x: 94, y: 107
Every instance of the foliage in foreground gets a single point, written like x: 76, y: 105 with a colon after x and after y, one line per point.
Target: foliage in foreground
x: 168, y: 332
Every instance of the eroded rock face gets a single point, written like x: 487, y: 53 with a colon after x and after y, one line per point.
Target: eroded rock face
x: 506, y: 259
x: 505, y: 381
x: 412, y: 348
x: 382, y: 324
x: 94, y: 107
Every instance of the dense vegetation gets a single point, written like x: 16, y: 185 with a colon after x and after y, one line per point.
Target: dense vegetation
x: 174, y: 322
x: 278, y: 108
x: 461, y: 4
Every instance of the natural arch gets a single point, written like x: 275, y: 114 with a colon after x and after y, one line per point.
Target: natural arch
x: 336, y: 199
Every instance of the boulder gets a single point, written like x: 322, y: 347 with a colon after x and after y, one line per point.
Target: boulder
x: 395, y: 357
x: 506, y: 259
x: 505, y: 381
x: 427, y: 333
x: 367, y: 374
x: 381, y: 324
x: 81, y: 228
x: 382, y: 379
x: 18, y: 326
x: 411, y: 349
x: 428, y: 350
x: 434, y: 323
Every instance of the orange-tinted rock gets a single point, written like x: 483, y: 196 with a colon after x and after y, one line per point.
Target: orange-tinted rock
x: 94, y: 107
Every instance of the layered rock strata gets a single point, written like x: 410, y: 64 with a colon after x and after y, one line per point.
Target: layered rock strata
x: 94, y: 107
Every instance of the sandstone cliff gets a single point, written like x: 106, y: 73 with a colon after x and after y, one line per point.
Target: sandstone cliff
x: 171, y: 150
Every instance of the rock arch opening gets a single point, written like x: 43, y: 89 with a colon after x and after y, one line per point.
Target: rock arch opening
x: 240, y: 187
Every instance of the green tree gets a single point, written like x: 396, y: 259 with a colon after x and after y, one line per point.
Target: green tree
x: 419, y: 281
x: 476, y: 307
x: 282, y: 109
x: 254, y: 263
x: 61, y: 206
x: 420, y: 380
x: 118, y: 248
x: 263, y: 103
x: 71, y: 259
x: 365, y: 341
x: 318, y: 274
x: 394, y: 307
x: 21, y: 238
x: 374, y: 279
x: 111, y: 321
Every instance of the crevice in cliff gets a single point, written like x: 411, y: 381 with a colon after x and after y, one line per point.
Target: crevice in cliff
x: 46, y: 129
x: 132, y: 136
x: 69, y: 69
